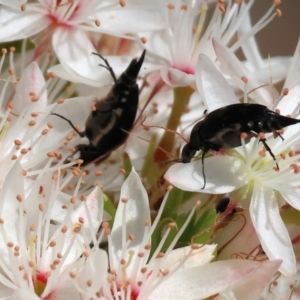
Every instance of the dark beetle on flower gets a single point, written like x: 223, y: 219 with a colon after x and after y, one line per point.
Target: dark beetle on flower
x: 108, y: 124
x: 222, y: 128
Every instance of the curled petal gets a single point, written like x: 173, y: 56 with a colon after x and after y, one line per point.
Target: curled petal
x: 212, y: 86
x: 223, y: 174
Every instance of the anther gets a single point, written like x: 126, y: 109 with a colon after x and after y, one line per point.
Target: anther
x: 19, y: 198
x: 122, y: 3
x: 244, y: 135
x: 171, y: 6
x: 278, y: 12
x: 244, y: 79
x: 124, y: 200
x: 285, y: 91
x: 143, y: 40
x: 170, y: 188
x: 97, y: 22
x: 60, y: 101
x: 122, y: 171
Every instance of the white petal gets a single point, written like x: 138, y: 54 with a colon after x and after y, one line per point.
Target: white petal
x: 289, y: 102
x: 270, y: 228
x: 146, y: 18
x: 31, y: 81
x: 199, y: 257
x: 236, y: 70
x: 22, y: 294
x: 9, y: 206
x: 204, y: 281
x: 16, y: 25
x: 135, y: 214
x: 74, y: 50
x: 223, y: 174
x: 94, y: 205
x: 292, y: 197
x: 212, y: 86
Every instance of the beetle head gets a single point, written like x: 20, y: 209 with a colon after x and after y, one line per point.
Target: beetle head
x: 187, y: 153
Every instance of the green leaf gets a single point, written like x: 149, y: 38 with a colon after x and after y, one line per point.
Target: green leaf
x: 109, y: 208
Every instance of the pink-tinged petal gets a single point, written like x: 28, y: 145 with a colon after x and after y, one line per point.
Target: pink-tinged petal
x: 204, y: 281
x: 17, y: 25
x: 95, y: 270
x: 270, y: 228
x: 289, y: 103
x: 134, y: 214
x: 236, y: 70
x: 223, y: 174
x: 23, y: 294
x: 251, y: 287
x: 175, y: 78
x: 199, y: 257
x: 237, y: 237
x: 31, y: 81
x: 212, y: 86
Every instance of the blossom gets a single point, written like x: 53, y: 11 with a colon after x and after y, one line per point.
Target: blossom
x: 67, y: 25
x: 250, y: 175
x: 175, y: 50
x: 138, y: 273
x: 36, y: 255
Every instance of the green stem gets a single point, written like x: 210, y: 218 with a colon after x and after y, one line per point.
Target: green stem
x: 181, y: 99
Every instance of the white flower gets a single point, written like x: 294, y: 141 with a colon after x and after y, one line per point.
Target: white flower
x: 173, y: 274
x: 37, y: 256
x: 176, y: 50
x: 67, y: 26
x: 250, y: 173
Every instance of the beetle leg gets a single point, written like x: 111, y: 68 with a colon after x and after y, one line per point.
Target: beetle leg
x: 81, y: 133
x: 203, y: 173
x: 269, y: 150
x: 107, y: 67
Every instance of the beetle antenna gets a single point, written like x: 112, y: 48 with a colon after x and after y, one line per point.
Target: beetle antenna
x: 179, y: 160
x: 81, y: 134
x: 162, y: 127
x: 107, y: 66
x: 269, y: 150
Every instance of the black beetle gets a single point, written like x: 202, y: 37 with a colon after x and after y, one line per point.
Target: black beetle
x: 222, y: 128
x: 108, y: 124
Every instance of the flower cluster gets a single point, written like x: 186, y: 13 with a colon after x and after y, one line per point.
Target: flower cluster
x: 97, y: 99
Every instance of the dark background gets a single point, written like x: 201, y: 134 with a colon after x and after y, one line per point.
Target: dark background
x: 280, y: 37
